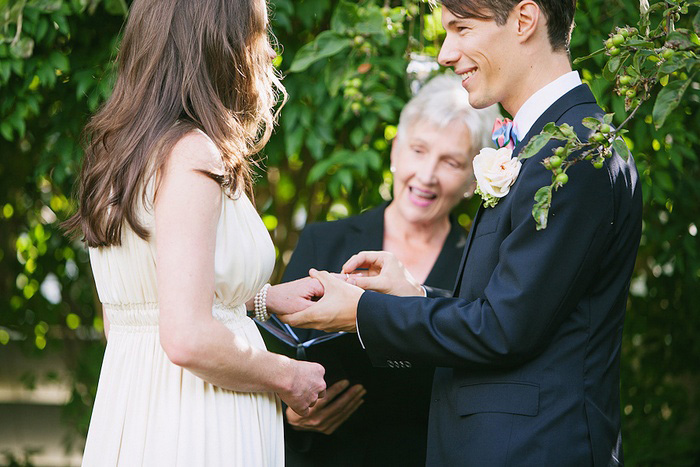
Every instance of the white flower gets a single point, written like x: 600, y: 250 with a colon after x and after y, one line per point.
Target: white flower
x: 495, y: 171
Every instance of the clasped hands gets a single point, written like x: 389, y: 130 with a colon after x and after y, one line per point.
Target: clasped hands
x: 329, y: 301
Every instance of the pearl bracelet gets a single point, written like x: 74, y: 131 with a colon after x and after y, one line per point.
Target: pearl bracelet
x: 260, y: 301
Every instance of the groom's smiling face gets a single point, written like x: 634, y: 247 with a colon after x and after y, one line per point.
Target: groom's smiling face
x: 481, y: 52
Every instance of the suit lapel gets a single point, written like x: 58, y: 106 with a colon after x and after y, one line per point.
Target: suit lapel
x: 579, y: 95
x: 462, y: 263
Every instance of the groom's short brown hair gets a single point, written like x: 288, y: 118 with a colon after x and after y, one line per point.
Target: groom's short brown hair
x: 559, y: 15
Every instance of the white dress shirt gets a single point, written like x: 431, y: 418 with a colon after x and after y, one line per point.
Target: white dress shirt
x: 540, y: 101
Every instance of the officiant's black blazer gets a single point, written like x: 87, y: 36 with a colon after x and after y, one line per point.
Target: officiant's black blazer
x: 391, y: 427
x: 528, y: 349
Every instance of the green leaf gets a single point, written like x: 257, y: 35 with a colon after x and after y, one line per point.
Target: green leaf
x: 344, y: 17
x: 357, y: 136
x: 608, y: 118
x: 326, y: 44
x: 696, y: 23
x: 591, y: 123
x: 540, y: 211
x: 6, y: 131
x: 59, y: 61
x: 621, y: 148
x: 669, y: 66
x: 668, y: 99
x: 350, y: 18
x: 611, y: 68
x: 369, y: 123
x: 23, y: 48
x: 293, y: 140
x: 581, y: 59
x: 319, y: 170
x: 345, y: 178
x: 46, y: 5
x: 680, y: 38
x: 534, y: 146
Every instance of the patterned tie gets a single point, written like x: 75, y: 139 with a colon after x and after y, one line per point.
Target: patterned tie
x: 503, y: 134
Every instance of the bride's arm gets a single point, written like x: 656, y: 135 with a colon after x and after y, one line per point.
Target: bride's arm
x: 187, y: 209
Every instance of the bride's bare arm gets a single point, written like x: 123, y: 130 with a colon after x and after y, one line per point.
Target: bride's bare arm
x: 187, y: 209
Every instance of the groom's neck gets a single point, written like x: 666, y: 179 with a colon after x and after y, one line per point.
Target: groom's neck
x: 536, y: 72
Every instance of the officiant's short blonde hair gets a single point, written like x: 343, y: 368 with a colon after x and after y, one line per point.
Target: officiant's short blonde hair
x: 443, y: 100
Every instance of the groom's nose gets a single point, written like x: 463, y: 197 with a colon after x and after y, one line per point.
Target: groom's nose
x: 449, y: 55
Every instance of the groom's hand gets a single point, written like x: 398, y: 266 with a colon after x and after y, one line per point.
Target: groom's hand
x: 331, y: 411
x: 382, y: 272
x: 335, y: 311
x: 294, y: 296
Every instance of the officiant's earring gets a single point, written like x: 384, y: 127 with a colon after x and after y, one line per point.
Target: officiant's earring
x: 392, y: 169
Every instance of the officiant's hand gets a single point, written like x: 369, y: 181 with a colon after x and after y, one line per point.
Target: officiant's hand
x: 331, y: 411
x: 335, y: 311
x: 382, y: 272
x: 294, y: 296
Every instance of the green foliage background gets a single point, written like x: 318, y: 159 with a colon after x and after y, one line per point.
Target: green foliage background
x: 345, y: 66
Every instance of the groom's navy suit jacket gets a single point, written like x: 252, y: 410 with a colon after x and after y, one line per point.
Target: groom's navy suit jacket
x: 529, y: 346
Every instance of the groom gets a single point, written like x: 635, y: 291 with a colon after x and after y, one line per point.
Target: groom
x: 528, y: 349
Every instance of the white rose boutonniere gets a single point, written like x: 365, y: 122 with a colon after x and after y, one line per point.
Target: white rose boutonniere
x: 495, y: 171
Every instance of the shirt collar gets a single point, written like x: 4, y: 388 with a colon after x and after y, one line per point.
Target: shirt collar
x: 540, y: 101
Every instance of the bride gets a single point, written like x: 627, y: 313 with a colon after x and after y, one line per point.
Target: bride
x: 177, y: 248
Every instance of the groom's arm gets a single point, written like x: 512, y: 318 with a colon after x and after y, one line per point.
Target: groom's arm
x: 539, y: 278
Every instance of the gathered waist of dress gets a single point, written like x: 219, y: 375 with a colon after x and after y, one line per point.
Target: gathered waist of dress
x: 144, y: 316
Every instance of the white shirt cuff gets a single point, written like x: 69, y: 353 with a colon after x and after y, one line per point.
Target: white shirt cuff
x: 357, y: 328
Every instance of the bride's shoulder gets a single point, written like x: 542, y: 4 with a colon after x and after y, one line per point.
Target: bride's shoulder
x: 195, y: 150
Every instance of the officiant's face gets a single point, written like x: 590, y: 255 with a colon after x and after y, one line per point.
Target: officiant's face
x: 480, y: 51
x: 433, y: 170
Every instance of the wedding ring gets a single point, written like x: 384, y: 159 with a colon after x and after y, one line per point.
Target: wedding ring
x: 347, y: 277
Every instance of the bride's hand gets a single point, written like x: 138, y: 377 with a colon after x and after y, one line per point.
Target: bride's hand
x: 381, y: 271
x: 305, y: 387
x: 331, y: 411
x: 294, y: 296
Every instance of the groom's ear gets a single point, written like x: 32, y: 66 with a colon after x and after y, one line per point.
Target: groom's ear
x: 526, y: 16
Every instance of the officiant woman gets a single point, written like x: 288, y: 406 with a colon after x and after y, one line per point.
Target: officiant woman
x: 381, y: 417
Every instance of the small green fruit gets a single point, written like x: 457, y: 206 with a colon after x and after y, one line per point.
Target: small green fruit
x: 598, y: 137
x: 562, y: 178
x: 614, y: 51
x: 598, y: 164
x: 618, y: 39
x: 633, y: 31
x: 609, y: 44
x: 668, y: 53
x: 626, y: 80
x: 624, y: 32
x: 356, y: 107
x: 555, y: 162
x: 359, y: 40
x: 560, y: 151
x: 631, y: 93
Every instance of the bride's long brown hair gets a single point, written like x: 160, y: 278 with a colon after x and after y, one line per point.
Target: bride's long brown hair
x: 182, y: 65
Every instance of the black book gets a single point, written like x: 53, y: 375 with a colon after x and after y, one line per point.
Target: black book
x: 333, y: 350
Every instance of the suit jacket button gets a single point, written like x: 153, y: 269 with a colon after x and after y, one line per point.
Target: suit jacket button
x: 408, y: 364
x: 390, y: 363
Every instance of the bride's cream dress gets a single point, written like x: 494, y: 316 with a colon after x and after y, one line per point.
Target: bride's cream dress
x: 151, y: 412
